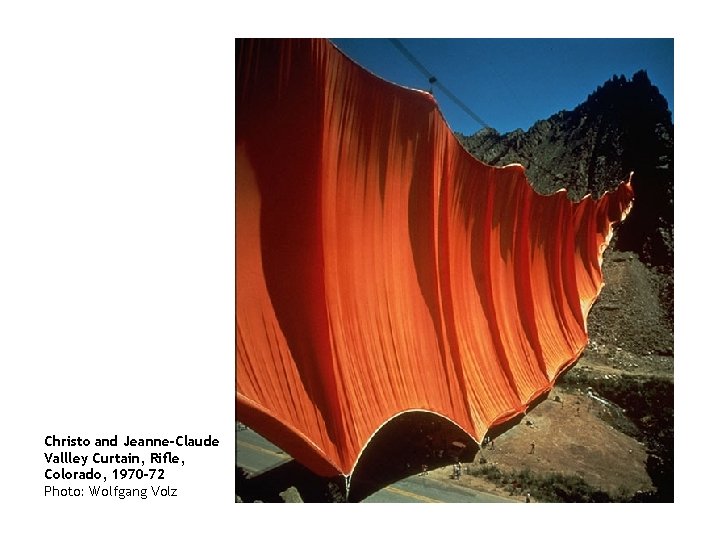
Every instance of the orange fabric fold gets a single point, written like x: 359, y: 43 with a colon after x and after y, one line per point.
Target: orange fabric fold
x: 381, y: 268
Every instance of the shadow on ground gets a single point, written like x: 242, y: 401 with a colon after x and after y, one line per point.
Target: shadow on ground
x: 267, y: 485
x: 405, y: 446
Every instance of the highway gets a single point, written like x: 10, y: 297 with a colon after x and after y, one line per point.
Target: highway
x: 256, y: 456
x: 420, y: 489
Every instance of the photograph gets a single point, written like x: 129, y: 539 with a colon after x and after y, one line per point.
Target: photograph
x: 454, y: 270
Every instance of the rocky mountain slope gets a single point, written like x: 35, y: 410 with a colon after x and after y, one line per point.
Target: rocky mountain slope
x: 627, y: 370
x: 624, y: 126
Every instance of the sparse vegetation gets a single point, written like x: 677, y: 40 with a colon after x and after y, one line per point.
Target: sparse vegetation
x: 553, y: 487
x: 649, y: 403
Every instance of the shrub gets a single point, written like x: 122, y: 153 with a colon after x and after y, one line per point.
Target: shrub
x: 554, y: 487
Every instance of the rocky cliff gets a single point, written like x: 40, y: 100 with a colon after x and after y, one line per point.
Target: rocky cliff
x: 623, y: 126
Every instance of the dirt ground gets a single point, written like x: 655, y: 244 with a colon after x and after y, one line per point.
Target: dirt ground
x: 570, y: 437
x: 631, y: 335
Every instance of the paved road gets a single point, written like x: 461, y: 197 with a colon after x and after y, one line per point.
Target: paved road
x: 257, y: 455
x: 428, y: 490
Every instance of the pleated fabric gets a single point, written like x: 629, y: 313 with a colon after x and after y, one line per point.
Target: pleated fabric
x: 381, y: 268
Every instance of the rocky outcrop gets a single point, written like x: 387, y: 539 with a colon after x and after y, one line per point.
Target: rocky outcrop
x: 291, y: 495
x: 623, y: 126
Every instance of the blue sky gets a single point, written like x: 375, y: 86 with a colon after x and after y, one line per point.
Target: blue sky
x: 512, y: 83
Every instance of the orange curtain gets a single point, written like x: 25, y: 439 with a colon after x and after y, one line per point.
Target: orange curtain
x: 381, y: 268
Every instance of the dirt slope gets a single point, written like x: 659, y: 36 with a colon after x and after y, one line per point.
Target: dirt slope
x: 596, y: 423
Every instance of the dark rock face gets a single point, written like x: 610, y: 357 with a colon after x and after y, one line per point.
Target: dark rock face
x: 624, y: 126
